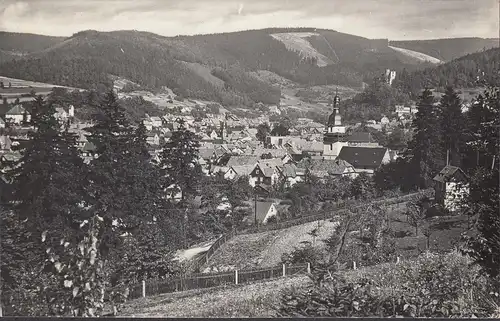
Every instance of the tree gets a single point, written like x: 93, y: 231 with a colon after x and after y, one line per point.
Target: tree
x: 415, y: 214
x: 179, y: 160
x: 263, y: 131
x: 363, y: 186
x: 483, y: 200
x: 280, y: 130
x: 452, y: 124
x: 425, y: 149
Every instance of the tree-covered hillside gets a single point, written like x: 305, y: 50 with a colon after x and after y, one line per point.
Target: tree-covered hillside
x: 26, y: 42
x: 473, y: 70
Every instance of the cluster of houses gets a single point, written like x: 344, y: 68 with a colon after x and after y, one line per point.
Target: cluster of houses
x: 229, y: 146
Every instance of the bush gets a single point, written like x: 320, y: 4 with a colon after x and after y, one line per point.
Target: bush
x: 305, y: 254
x: 431, y: 286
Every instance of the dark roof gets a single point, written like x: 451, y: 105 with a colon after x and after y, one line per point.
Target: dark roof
x: 449, y: 172
x: 370, y: 157
x: 262, y: 210
x: 361, y: 137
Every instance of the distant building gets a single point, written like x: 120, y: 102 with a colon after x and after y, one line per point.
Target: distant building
x: 362, y: 139
x: 451, y: 187
x: 390, y: 75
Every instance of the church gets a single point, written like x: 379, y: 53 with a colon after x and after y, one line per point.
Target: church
x: 335, y: 136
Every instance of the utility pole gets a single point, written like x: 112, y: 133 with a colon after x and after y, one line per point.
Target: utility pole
x: 255, y: 203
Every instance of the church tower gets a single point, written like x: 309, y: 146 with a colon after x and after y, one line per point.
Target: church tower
x: 335, y: 134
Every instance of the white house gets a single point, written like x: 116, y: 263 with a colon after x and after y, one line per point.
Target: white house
x: 263, y: 211
x: 156, y: 121
x: 153, y: 139
x: 264, y: 173
x: 17, y: 114
x: 451, y: 187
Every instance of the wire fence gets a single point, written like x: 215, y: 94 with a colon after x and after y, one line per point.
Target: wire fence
x: 209, y: 280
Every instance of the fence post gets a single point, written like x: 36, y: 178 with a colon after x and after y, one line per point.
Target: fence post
x: 284, y: 270
x: 143, y: 288
x: 354, y: 265
x: 236, y: 277
x: 397, y: 260
x: 309, y: 268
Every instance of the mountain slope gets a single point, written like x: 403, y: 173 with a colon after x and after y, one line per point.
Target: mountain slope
x: 447, y: 49
x: 473, y: 70
x: 26, y: 42
x: 216, y: 67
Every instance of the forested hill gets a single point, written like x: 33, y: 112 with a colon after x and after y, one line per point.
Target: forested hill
x: 448, y: 49
x: 23, y: 43
x: 213, y: 67
x: 478, y: 69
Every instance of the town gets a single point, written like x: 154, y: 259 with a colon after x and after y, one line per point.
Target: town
x: 276, y: 172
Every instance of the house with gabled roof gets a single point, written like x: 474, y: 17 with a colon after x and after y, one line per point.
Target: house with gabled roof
x: 236, y: 171
x: 451, y: 186
x: 263, y: 211
x: 17, y: 115
x: 365, y: 159
x: 290, y: 174
x: 323, y: 168
x: 264, y: 173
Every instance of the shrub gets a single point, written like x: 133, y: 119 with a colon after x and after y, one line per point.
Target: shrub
x: 305, y: 254
x: 431, y: 286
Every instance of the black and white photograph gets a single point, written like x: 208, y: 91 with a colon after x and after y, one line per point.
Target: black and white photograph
x: 250, y: 158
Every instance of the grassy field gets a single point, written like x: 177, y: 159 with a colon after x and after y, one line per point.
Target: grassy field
x: 249, y: 300
x: 445, y: 233
x: 266, y: 248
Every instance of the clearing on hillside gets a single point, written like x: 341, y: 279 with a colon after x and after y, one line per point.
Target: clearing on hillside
x: 294, y: 41
x: 417, y: 55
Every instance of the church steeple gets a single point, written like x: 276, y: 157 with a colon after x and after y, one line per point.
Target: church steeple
x: 335, y: 119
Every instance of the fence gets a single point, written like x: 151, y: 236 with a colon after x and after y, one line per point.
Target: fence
x: 208, y: 280
x: 341, y: 207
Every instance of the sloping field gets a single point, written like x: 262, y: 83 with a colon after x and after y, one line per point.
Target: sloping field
x: 204, y: 73
x: 294, y: 41
x: 19, y: 83
x: 417, y: 55
x: 265, y: 249
x: 249, y: 300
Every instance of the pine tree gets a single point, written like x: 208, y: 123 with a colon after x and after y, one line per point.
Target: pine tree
x: 452, y: 123
x: 179, y: 160
x: 47, y: 179
x: 425, y: 149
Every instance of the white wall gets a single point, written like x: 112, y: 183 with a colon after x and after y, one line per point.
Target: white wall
x: 272, y: 212
x: 454, y: 193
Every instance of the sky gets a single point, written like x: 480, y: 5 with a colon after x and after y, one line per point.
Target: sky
x: 392, y: 19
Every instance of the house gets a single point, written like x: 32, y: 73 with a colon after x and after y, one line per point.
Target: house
x: 365, y: 159
x: 290, y: 174
x: 452, y: 185
x: 322, y: 168
x: 263, y: 211
x: 89, y: 150
x: 17, y: 115
x: 64, y: 113
x: 156, y: 121
x: 363, y: 139
x: 264, y: 173
x: 238, y: 171
x: 153, y: 139
x: 174, y: 193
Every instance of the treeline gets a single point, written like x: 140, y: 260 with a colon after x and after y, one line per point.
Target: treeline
x: 478, y: 69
